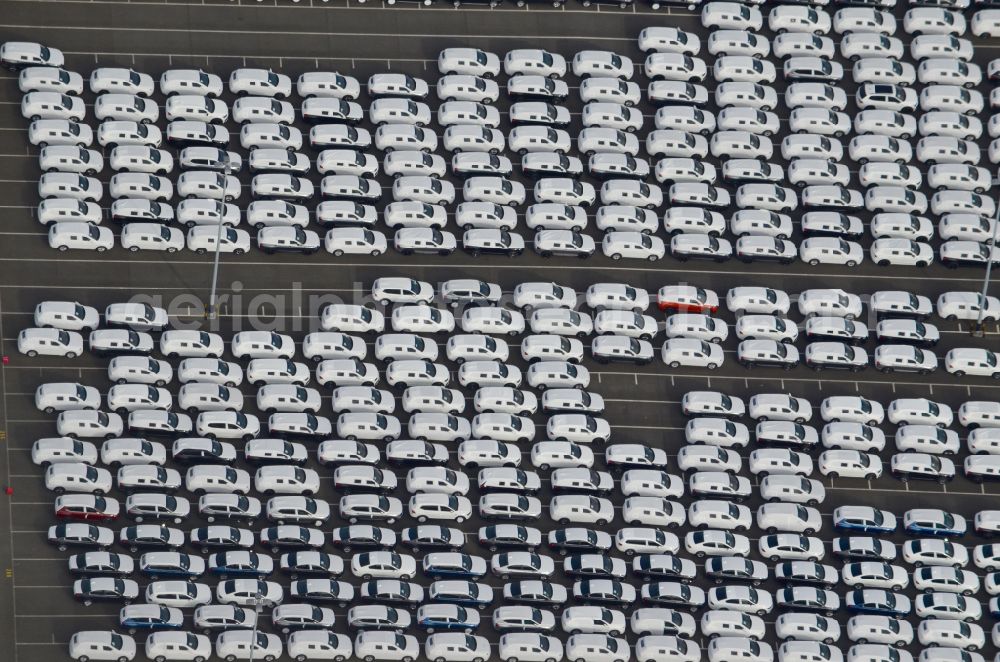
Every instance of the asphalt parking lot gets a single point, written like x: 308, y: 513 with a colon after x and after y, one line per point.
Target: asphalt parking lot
x: 37, y: 611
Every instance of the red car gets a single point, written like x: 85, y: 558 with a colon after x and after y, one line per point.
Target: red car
x: 86, y: 507
x: 687, y: 299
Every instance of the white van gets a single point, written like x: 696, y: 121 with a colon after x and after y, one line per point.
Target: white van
x: 140, y: 370
x: 268, y: 134
x: 60, y: 396
x: 50, y: 79
x: 52, y: 106
x: 597, y: 648
x: 788, y: 517
x: 792, y: 489
x: 191, y: 132
x: 457, y: 647
x: 739, y: 649
x: 472, y: 138
x: 318, y: 645
x: 368, y: 426
x: 272, y: 398
x: 530, y: 647
x: 967, y: 306
x: 247, y: 644
x: 269, y: 371
x: 199, y: 211
x: 178, y: 645
x: 124, y: 398
x: 405, y: 373
x: 327, y: 84
x: 979, y: 414
x: 815, y: 95
x: 592, y: 140
x: 347, y: 372
x: 555, y: 216
x: 377, y: 645
x: 189, y: 343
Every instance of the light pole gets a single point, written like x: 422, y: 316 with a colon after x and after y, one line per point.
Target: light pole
x: 226, y: 167
x: 977, y: 330
x: 258, y: 600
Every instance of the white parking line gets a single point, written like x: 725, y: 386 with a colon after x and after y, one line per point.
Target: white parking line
x: 668, y: 10
x: 307, y: 33
x: 7, y: 460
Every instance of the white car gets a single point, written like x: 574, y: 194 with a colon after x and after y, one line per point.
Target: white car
x: 82, y: 236
x: 60, y: 132
x: 904, y: 358
x: 601, y: 63
x: 731, y: 16
x: 933, y: 21
x: 902, y: 252
x: 764, y: 327
x: 534, y: 61
x: 793, y: 19
x: 668, y: 40
x: 779, y: 461
x: 702, y: 327
x: 70, y: 158
x: 691, y: 352
x: 190, y: 82
x: 260, y: 82
x: 633, y: 245
x: 757, y: 300
x: 203, y: 238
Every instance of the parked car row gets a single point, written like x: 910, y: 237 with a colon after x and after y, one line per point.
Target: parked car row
x: 419, y: 213
x: 623, y: 333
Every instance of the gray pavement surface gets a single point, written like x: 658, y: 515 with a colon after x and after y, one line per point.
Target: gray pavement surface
x: 37, y: 611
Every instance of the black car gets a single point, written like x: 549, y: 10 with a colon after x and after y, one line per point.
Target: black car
x: 804, y: 572
x: 362, y: 536
x: 509, y: 536
x: 290, y: 537
x: 863, y: 548
x: 200, y: 451
x: 228, y: 506
x: 432, y: 536
x: 484, y: 241
x: 725, y: 569
x: 664, y: 566
x: 105, y: 588
x: 575, y: 539
x: 221, y: 537
x: 622, y: 4
x: 604, y: 592
x: 169, y: 424
x: 321, y: 590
